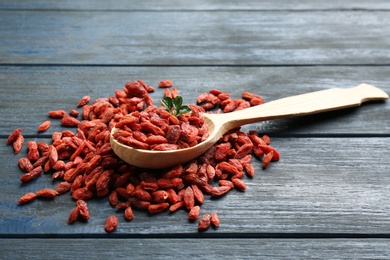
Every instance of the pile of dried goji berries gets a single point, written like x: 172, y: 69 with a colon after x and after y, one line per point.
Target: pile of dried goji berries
x: 85, y: 165
x: 157, y: 129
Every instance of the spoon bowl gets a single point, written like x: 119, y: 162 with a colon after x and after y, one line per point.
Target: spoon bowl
x: 162, y: 159
x: 219, y: 124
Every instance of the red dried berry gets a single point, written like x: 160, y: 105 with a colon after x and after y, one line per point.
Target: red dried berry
x: 158, y: 208
x: 44, y: 126
x: 214, y: 219
x: 63, y: 187
x: 18, y: 143
x: 57, y: 113
x: 111, y: 223
x: 129, y: 215
x: 46, y: 193
x: 204, y: 222
x: 165, y: 83
x: 26, y: 198
x: 239, y: 184
x: 84, y: 100
x: 73, y: 216
x: 83, y: 209
x: 189, y: 199
x: 25, y: 164
x: 14, y: 135
x: 34, y: 173
x: 194, y: 213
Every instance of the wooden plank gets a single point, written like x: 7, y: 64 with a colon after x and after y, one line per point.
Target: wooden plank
x: 320, y: 186
x: 195, y: 248
x: 28, y: 93
x: 194, y: 38
x: 198, y: 5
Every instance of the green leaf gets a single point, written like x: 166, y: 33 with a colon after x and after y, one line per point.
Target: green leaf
x: 177, y: 103
x: 183, y: 110
x: 167, y: 102
x: 175, y: 106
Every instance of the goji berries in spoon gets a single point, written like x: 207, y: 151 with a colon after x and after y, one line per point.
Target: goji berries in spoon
x: 218, y: 124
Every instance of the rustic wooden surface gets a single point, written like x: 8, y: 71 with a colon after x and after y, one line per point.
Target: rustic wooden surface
x: 326, y: 198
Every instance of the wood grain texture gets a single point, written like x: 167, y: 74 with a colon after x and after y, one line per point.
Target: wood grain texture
x: 320, y: 186
x: 208, y: 5
x: 203, y: 38
x: 28, y: 93
x: 326, y: 198
x: 196, y: 248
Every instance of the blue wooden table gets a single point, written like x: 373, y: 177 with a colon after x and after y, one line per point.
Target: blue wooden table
x: 327, y: 197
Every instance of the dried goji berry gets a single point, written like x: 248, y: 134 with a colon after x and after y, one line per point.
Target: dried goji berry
x: 74, y: 113
x: 111, y: 223
x: 26, y: 198
x: 266, y: 139
x: 256, y: 101
x: 83, y: 209
x: 267, y: 159
x: 172, y: 196
x: 53, y: 155
x: 58, y: 175
x: 57, y: 113
x: 141, y: 194
x: 219, y: 191
x: 139, y: 204
x: 129, y: 188
x: 214, y: 219
x: 84, y: 100
x: 239, y: 184
x: 33, y: 153
x: 129, y: 215
x: 135, y: 89
x: 166, y: 183
x: 46, y: 193
x: 82, y: 194
x: 102, y: 183
x: 63, y: 187
x: 175, y: 206
x: 165, y: 83
x: 44, y: 126
x: 250, y: 170
x: 194, y: 213
x: 18, y: 143
x: 267, y: 149
x: 14, y: 135
x: 58, y: 165
x: 165, y: 147
x: 123, y: 205
x: 204, y: 222
x: 25, y: 164
x: 69, y: 121
x: 226, y: 183
x: 248, y: 96
x: 158, y: 208
x: 113, y: 198
x: 73, y: 216
x: 198, y: 194
x: 122, y: 193
x: 77, y: 183
x: 189, y: 199
x: 160, y: 196
x: 34, y: 173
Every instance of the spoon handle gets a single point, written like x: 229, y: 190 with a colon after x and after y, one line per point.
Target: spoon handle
x: 306, y: 104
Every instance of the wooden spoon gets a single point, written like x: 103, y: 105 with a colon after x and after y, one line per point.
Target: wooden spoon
x: 300, y: 105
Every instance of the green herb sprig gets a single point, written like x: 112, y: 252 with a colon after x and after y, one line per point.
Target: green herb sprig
x: 175, y: 105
